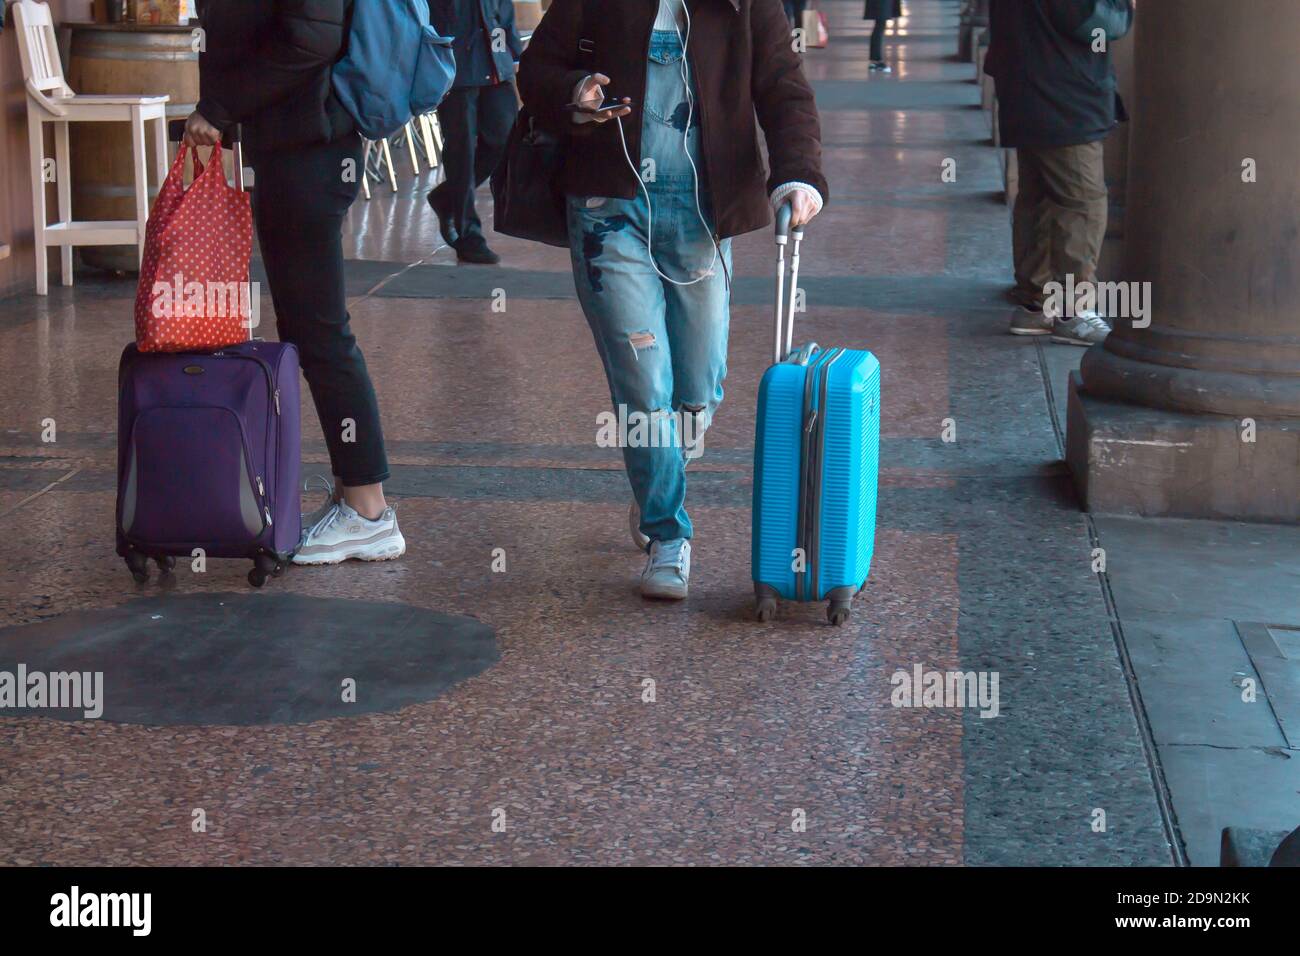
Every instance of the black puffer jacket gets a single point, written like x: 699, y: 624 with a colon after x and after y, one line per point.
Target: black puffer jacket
x: 267, y: 64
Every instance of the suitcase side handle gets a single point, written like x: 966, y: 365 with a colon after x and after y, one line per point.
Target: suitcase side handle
x: 784, y: 340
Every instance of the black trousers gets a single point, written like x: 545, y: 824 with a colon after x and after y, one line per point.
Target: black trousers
x: 476, y: 123
x: 300, y: 199
x: 878, y: 40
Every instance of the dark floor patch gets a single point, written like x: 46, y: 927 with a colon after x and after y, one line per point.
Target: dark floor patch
x: 248, y: 659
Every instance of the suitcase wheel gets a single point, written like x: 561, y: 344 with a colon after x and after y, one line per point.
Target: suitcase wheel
x: 765, y: 609
x: 166, y: 563
x: 264, y: 567
x: 138, y: 565
x: 837, y: 612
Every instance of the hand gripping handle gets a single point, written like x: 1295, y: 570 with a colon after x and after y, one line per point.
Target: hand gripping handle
x: 785, y: 308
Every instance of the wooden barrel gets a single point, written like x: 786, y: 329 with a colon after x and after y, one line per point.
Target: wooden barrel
x: 123, y: 58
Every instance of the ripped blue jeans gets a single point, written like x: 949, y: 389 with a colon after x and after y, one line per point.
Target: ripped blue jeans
x: 664, y: 346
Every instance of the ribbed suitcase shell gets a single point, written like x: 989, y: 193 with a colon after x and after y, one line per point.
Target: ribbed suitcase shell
x: 845, y: 508
x: 197, y: 432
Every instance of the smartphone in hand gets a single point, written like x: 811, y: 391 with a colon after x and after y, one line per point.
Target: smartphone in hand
x: 605, y: 107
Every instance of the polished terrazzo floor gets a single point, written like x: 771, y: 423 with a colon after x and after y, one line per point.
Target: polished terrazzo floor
x: 555, y: 753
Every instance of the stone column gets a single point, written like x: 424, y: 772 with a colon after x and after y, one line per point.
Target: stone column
x: 1199, y: 414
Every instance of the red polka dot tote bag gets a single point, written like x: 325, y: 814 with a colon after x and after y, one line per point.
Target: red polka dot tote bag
x: 194, y: 291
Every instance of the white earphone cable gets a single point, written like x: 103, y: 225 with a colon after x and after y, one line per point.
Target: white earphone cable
x: 695, y: 173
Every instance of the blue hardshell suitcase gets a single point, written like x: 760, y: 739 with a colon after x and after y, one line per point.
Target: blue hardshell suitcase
x: 816, y: 463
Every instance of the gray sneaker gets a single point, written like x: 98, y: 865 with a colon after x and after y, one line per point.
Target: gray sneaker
x: 1028, y: 322
x: 1086, y: 328
x: 667, y: 571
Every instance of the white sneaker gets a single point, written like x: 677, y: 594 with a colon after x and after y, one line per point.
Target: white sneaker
x: 667, y: 572
x: 341, y: 533
x: 1086, y: 328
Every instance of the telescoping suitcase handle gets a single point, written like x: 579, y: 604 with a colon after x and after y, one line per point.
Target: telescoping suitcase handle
x: 231, y: 138
x: 785, y: 308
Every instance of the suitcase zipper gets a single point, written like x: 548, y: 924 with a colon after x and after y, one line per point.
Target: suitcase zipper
x: 814, y: 440
x: 819, y: 455
x: 272, y: 432
x: 805, y: 456
x: 805, y: 461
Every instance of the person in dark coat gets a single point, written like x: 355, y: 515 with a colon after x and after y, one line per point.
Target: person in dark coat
x: 267, y: 65
x: 476, y: 115
x: 1051, y: 63
x: 881, y: 11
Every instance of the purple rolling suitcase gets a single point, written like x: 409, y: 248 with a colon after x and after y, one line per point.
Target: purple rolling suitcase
x: 208, y: 456
x: 208, y: 452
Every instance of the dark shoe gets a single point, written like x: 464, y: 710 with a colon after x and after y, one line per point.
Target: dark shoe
x: 1027, y: 322
x: 1026, y: 300
x: 1086, y: 328
x: 880, y: 66
x: 475, y: 249
x: 444, y: 217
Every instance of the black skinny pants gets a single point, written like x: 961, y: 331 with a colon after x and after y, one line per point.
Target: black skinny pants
x: 878, y: 40
x: 300, y: 199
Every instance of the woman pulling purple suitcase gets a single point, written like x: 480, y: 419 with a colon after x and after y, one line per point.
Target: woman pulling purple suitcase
x: 267, y: 65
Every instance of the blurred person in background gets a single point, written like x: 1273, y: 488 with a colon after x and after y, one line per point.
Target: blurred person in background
x: 1057, y: 101
x: 476, y: 116
x: 881, y: 11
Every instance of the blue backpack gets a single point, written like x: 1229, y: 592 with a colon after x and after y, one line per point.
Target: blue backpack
x: 396, y: 67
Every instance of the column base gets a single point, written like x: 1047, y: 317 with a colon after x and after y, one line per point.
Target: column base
x: 1134, y: 460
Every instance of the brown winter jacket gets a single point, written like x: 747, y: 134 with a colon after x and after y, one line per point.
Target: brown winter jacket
x: 744, y: 65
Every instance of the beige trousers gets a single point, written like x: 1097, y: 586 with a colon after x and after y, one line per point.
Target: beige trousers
x: 1059, y: 221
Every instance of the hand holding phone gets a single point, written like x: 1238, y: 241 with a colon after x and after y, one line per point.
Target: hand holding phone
x: 589, y: 101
